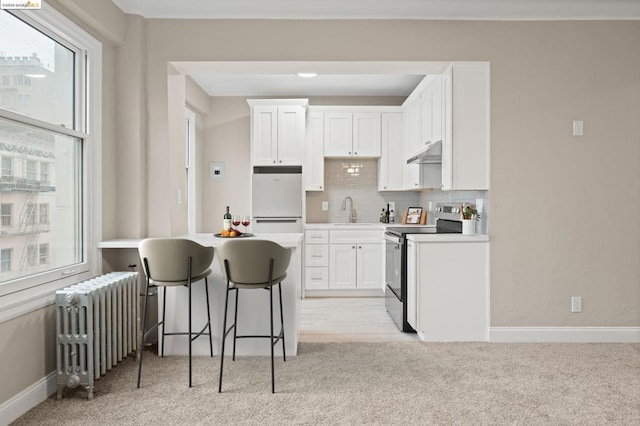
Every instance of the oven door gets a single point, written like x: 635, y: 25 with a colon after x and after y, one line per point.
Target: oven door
x: 393, y: 279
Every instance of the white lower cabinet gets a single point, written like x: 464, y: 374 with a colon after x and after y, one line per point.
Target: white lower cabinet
x: 355, y: 266
x: 338, y: 260
x: 316, y: 278
x: 451, y: 285
x: 316, y: 259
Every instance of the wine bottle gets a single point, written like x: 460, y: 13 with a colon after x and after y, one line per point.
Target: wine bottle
x: 226, y: 223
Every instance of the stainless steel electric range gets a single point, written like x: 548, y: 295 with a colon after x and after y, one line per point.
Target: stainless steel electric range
x: 448, y: 221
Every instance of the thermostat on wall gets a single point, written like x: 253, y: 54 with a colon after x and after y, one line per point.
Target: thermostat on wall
x: 216, y: 171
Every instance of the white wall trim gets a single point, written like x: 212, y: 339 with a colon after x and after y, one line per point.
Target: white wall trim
x: 564, y: 334
x: 15, y: 407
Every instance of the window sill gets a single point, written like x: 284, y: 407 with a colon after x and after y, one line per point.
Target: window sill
x: 32, y: 299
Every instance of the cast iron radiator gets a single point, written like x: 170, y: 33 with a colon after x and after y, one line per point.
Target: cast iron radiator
x: 97, y: 326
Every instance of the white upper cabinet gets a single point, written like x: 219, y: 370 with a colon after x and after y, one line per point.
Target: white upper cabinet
x: 465, y: 138
x: 338, y: 134
x: 432, y: 112
x: 351, y: 134
x: 366, y: 134
x: 313, y: 169
x: 391, y: 162
x: 277, y: 131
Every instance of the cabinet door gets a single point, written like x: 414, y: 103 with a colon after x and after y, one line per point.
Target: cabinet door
x: 314, y: 167
x: 415, y: 129
x: 369, y: 272
x: 410, y: 172
x: 342, y: 266
x: 432, y: 117
x: 338, y: 134
x: 465, y: 153
x: 390, y: 164
x: 458, y: 310
x: 264, y: 136
x: 291, y: 131
x: 366, y: 134
x: 412, y: 285
x: 447, y: 138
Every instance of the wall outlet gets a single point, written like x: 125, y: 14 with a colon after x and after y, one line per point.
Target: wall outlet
x: 392, y: 206
x: 179, y: 197
x: 578, y: 127
x: 325, y: 206
x: 576, y: 304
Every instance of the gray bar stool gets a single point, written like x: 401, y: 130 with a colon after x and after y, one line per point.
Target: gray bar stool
x: 174, y: 262
x: 253, y: 264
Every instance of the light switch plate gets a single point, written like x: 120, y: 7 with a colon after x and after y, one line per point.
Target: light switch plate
x: 578, y: 127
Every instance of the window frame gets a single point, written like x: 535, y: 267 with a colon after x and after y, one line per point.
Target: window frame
x: 29, y: 293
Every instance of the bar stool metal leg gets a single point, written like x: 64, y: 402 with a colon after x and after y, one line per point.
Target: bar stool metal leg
x: 224, y: 336
x: 284, y: 354
x: 273, y: 373
x: 164, y: 309
x: 206, y: 290
x: 144, y: 322
x: 190, y: 339
x: 235, y: 324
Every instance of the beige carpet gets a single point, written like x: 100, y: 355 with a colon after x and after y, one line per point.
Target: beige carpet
x: 372, y: 383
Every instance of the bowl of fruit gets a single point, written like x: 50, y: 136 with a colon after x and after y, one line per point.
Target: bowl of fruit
x: 232, y: 233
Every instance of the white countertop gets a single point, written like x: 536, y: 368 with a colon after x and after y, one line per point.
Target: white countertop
x: 374, y: 225
x: 207, y: 239
x: 447, y: 238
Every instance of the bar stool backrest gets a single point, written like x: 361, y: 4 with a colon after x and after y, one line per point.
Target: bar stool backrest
x: 249, y: 260
x: 167, y: 259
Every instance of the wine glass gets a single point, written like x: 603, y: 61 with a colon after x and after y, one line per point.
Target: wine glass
x: 236, y: 221
x: 246, y: 220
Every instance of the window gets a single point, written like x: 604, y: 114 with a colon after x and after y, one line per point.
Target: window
x: 44, y: 172
x: 7, y: 166
x: 44, y: 214
x: 31, y: 214
x: 44, y: 254
x: 6, y: 215
x: 5, y: 259
x: 32, y: 255
x: 49, y: 146
x: 32, y: 170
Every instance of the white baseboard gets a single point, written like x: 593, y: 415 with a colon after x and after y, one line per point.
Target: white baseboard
x: 564, y: 334
x: 27, y: 399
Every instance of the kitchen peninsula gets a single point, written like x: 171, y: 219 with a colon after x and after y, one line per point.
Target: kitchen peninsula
x: 253, y: 309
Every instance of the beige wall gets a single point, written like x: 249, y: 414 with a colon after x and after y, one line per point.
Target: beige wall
x: 549, y: 191
x: 543, y: 76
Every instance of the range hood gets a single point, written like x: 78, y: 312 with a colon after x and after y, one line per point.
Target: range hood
x: 432, y: 154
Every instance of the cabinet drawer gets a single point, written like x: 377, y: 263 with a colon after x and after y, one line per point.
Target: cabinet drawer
x: 316, y: 236
x: 316, y: 255
x: 355, y: 237
x: 316, y: 278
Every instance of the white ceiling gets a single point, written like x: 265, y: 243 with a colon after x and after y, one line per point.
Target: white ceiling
x: 265, y: 79
x: 385, y: 9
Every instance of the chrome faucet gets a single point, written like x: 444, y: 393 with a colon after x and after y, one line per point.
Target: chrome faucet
x: 351, y: 212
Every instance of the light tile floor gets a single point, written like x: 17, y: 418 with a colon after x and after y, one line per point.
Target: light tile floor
x: 348, y: 319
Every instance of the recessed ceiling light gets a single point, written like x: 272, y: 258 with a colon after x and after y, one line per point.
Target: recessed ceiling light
x: 307, y: 74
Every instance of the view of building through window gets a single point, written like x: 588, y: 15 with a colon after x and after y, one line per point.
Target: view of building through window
x: 41, y: 169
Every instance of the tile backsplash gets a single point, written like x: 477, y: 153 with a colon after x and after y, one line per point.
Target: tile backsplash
x: 357, y: 179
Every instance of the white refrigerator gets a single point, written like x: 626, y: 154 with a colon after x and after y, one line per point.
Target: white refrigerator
x: 276, y: 199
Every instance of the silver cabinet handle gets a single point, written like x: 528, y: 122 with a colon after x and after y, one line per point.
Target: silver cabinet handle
x: 316, y: 255
x: 316, y: 279
x: 69, y: 272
